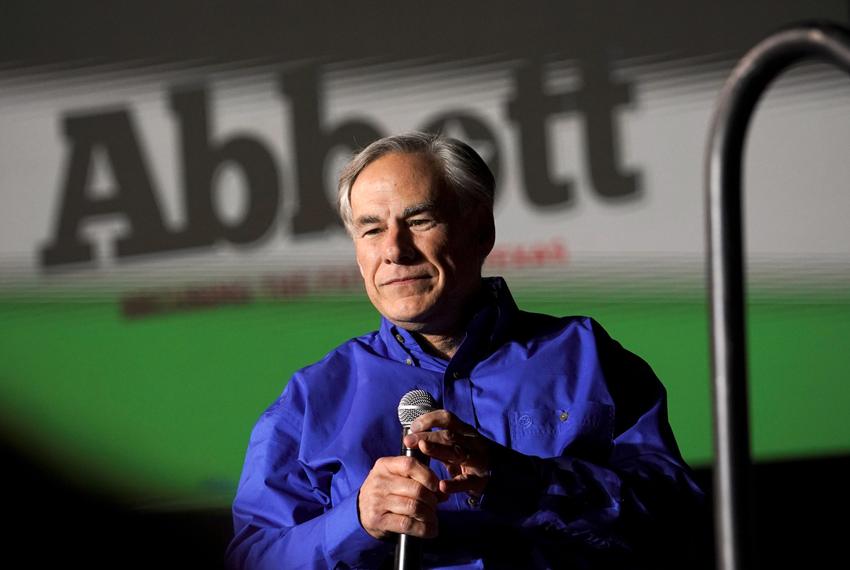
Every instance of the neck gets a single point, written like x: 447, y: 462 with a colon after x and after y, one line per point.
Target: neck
x: 443, y: 338
x: 442, y: 346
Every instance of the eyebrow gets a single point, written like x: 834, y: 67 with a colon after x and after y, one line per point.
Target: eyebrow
x: 366, y: 220
x: 408, y: 212
x: 419, y: 208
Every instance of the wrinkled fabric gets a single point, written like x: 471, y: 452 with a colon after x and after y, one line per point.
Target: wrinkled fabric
x: 586, y: 472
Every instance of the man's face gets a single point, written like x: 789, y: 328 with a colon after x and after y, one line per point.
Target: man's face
x: 420, y: 263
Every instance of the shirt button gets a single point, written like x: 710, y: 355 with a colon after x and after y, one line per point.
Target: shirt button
x: 564, y: 415
x: 408, y: 362
x: 456, y: 375
x: 472, y: 501
x: 399, y: 338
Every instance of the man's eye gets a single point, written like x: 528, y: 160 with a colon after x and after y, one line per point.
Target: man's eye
x: 371, y: 231
x: 420, y: 222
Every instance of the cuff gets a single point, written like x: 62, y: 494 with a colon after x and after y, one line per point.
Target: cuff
x: 348, y: 541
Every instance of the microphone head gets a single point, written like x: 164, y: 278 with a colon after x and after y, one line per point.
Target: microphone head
x: 414, y: 404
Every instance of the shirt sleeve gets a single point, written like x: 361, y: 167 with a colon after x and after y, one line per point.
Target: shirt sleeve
x: 282, y: 513
x: 636, y: 502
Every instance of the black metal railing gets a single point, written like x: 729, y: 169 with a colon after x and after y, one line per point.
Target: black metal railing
x: 738, y: 99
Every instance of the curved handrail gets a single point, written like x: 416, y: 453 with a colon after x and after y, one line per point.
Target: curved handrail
x: 738, y: 99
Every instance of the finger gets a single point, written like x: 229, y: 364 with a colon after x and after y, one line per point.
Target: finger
x: 448, y: 454
x: 441, y: 436
x: 401, y: 524
x: 444, y: 445
x: 440, y: 419
x: 409, y: 441
x: 396, y: 485
x: 463, y: 484
x: 424, y: 509
x: 384, y: 491
x: 409, y: 468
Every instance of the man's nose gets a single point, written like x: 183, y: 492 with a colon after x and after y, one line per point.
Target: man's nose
x: 399, y: 247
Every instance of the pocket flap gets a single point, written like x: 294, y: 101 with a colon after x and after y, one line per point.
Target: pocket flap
x: 591, y: 421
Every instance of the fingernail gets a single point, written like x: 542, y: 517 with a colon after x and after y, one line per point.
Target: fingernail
x: 414, y: 426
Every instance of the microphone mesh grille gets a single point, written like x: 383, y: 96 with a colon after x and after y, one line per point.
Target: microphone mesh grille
x: 414, y: 404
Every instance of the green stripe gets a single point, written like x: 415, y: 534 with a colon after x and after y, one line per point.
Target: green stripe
x: 159, y: 409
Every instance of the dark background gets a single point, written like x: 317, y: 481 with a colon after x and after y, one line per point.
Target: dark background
x: 800, y: 507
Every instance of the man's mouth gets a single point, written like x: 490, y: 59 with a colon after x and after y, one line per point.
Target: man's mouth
x: 405, y: 280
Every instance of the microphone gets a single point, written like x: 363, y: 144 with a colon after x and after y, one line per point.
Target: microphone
x: 408, y: 552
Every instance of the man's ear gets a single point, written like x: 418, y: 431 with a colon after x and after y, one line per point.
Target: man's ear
x: 486, y: 236
x: 360, y: 267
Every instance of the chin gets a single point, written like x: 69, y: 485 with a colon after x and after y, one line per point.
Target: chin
x: 410, y: 317
x: 407, y: 317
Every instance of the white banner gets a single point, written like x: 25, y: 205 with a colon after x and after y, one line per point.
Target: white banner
x: 172, y: 174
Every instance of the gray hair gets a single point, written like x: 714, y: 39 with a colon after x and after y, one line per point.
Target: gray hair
x: 461, y: 168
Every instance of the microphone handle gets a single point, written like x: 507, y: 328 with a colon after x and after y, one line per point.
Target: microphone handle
x: 408, y: 551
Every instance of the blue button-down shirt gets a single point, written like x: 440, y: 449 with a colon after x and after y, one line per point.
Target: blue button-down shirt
x: 585, y: 473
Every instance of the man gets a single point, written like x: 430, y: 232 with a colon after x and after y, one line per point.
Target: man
x: 552, y: 447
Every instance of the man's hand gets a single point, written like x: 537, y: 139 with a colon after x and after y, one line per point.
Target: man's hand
x: 400, y: 495
x: 462, y: 449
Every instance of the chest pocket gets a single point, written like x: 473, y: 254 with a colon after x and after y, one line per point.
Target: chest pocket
x: 585, y: 429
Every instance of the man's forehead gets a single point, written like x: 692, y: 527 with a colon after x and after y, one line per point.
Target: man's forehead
x: 401, y: 182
